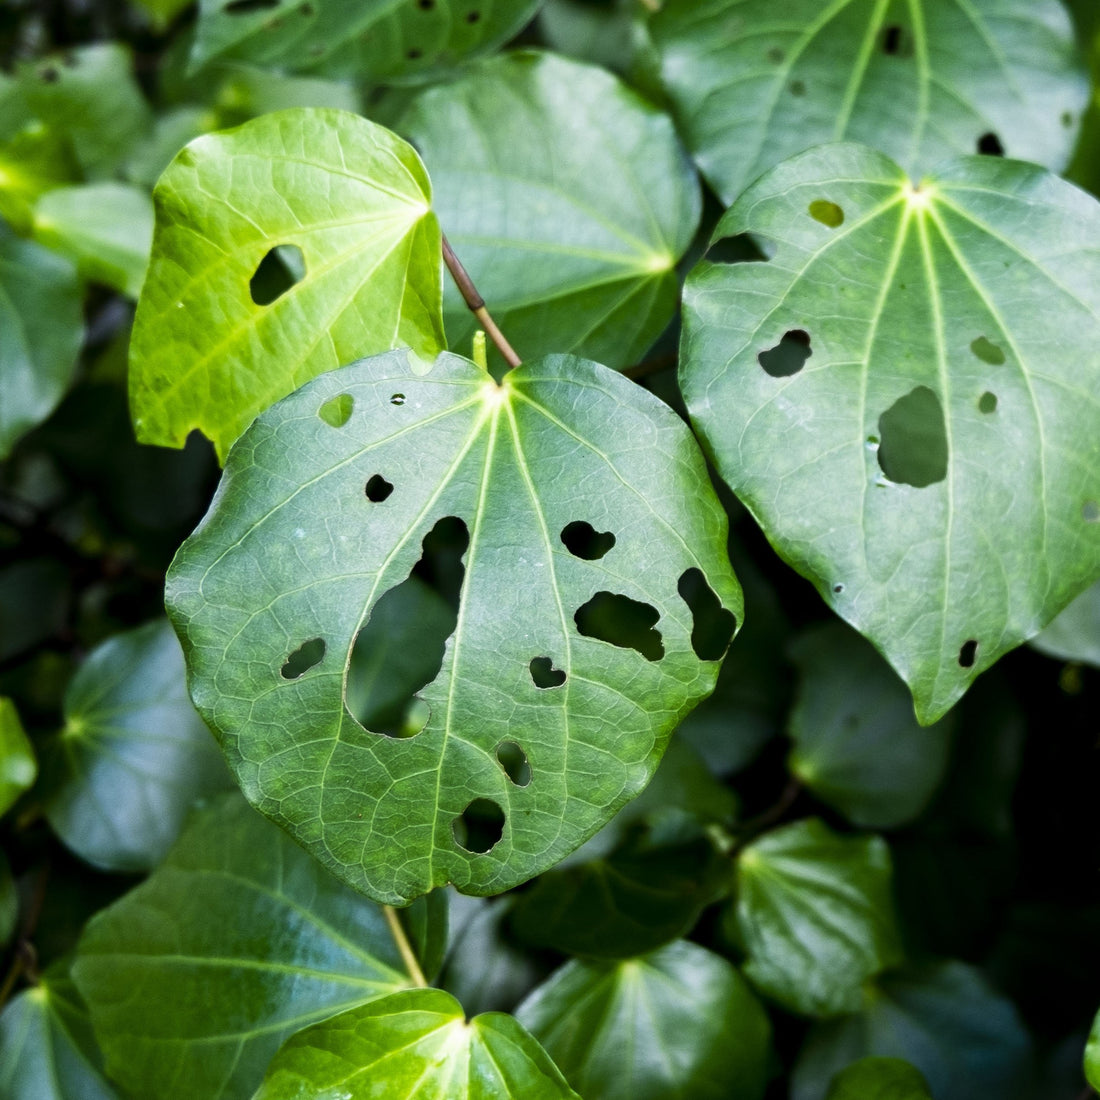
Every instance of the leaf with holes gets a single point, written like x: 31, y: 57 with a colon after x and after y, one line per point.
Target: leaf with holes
x: 283, y: 248
x: 572, y: 238
x: 581, y: 569
x: 753, y: 82
x: 932, y: 462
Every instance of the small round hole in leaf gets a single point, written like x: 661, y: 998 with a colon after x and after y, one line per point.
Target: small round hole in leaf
x: 990, y: 145
x: 336, y: 411
x: 797, y: 88
x: 306, y: 656
x: 397, y: 399
x: 378, y: 489
x: 826, y: 212
x: 788, y: 356
x: 987, y: 351
x: 544, y: 674
x: 414, y: 55
x: 479, y: 827
x: 473, y: 16
x: 582, y: 540
x: 968, y: 654
x: 776, y: 55
x: 987, y: 403
x: 514, y: 762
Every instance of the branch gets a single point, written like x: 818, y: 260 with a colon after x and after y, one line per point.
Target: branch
x: 477, y: 304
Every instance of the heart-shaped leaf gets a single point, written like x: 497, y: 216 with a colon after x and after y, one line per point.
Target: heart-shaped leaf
x: 753, y: 82
x: 907, y: 397
x: 585, y: 566
x: 283, y: 248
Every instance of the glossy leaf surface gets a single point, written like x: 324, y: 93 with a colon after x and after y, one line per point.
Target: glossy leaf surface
x: 911, y: 436
x: 349, y: 205
x: 753, y: 83
x: 579, y: 662
x: 1075, y: 634
x: 18, y: 763
x: 879, y: 1079
x: 254, y: 939
x: 816, y: 916
x: 568, y: 199
x: 417, y: 1044
x: 680, y: 1022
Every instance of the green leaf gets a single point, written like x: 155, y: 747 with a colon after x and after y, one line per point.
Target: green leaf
x: 816, y: 916
x: 352, y: 199
x: 679, y: 1022
x: 1092, y: 1055
x: 426, y: 924
x: 41, y: 328
x: 879, y: 1079
x: 857, y: 745
x: 32, y: 162
x: 134, y: 756
x: 414, y: 1043
x: 574, y: 665
x: 568, y: 199
x: 1075, y: 634
x: 49, y: 1050
x: 252, y: 938
x: 911, y: 439
x: 753, y: 83
x: 18, y: 765
x: 946, y: 1020
x: 9, y: 902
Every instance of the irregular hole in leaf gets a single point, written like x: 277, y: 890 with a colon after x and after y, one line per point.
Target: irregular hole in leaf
x: 514, y: 762
x: 826, y: 212
x: 788, y: 356
x: 305, y: 657
x: 544, y: 674
x: 742, y: 248
x: 968, y: 653
x: 281, y: 268
x: 990, y: 145
x: 336, y: 411
x: 582, y: 540
x: 479, y: 827
x: 390, y: 633
x: 914, y: 439
x: 712, y: 625
x: 397, y: 399
x: 987, y: 351
x: 623, y: 622
x: 243, y: 7
x: 1090, y: 511
x: 797, y: 87
x: 378, y: 489
x: 987, y: 403
x: 896, y: 42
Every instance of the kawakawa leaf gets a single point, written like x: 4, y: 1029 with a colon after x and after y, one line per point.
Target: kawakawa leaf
x: 907, y: 397
x: 286, y: 247
x: 753, y: 82
x: 572, y: 652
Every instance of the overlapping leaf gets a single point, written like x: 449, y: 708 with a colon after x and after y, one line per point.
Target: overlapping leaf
x: 1092, y: 1055
x: 907, y: 397
x: 573, y: 652
x: 18, y: 764
x: 879, y: 1079
x: 1075, y: 634
x: 753, y: 82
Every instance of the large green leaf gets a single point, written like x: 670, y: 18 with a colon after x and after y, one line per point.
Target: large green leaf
x: 41, y: 327
x: 907, y: 397
x: 18, y: 764
x: 346, y: 200
x: 879, y: 1079
x: 572, y: 654
x: 1075, y: 634
x: 133, y: 756
x: 568, y: 199
x: 417, y: 1044
x: 753, y: 82
x: 816, y: 916
x: 1092, y: 1055
x: 238, y: 939
x: 677, y: 1024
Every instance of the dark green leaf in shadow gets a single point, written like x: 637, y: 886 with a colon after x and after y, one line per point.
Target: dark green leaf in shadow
x: 879, y: 1079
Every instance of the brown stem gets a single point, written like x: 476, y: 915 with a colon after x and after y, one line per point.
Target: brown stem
x: 477, y: 304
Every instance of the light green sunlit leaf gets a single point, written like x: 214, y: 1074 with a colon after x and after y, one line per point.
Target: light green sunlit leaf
x: 879, y: 1079
x: 1092, y: 1055
x: 352, y: 199
x: 32, y: 161
x: 18, y: 765
x: 571, y: 658
x: 909, y: 402
x: 1075, y: 634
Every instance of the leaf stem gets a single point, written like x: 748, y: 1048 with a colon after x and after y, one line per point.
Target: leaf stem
x: 408, y: 956
x: 477, y: 304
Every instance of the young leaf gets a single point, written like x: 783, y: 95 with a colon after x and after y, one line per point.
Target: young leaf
x: 816, y: 916
x: 18, y: 765
x: 678, y: 1022
x: 134, y: 756
x: 224, y: 327
x: 571, y: 653
x: 568, y: 198
x: 252, y: 938
x: 911, y: 439
x: 1075, y: 634
x: 879, y: 1079
x: 753, y: 83
x: 1092, y: 1055
x: 417, y: 1043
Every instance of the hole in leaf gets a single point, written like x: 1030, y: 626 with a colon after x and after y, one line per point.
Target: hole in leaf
x: 307, y: 10
x: 776, y: 55
x: 378, y: 489
x: 473, y: 16
x: 788, y: 356
x: 414, y: 55
x: 838, y: 588
x: 914, y: 439
x: 622, y: 622
x: 305, y: 657
x: 1090, y: 511
x: 896, y: 42
x: 397, y: 399
x: 797, y: 88
x: 336, y: 411
x: 712, y: 625
x: 243, y: 7
x: 988, y: 352
x: 425, y: 5
x: 582, y: 540
x: 544, y: 674
x: 400, y: 649
x: 514, y: 762
x: 828, y: 213
x: 987, y: 403
x: 742, y: 248
x: 282, y: 268
x: 968, y: 653
x: 479, y: 827
x: 990, y: 145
